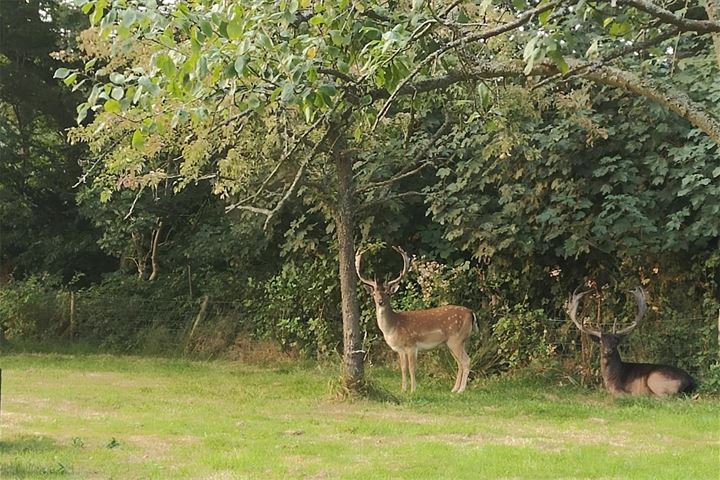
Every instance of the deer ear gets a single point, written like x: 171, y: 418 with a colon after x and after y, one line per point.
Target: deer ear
x: 393, y: 288
x: 368, y: 287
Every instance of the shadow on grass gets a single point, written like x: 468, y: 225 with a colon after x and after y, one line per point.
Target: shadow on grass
x: 369, y: 390
x: 27, y: 444
x: 24, y: 452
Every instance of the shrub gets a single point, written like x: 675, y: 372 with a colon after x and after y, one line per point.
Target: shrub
x: 301, y: 308
x: 32, y: 309
x: 522, y: 336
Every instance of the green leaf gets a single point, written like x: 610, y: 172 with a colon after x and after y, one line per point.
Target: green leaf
x: 240, y: 63
x: 117, y: 78
x: 593, y: 50
x: 236, y: 28
x: 328, y: 89
x: 559, y: 61
x: 138, y: 140
x: 70, y: 79
x: 485, y: 95
x: 165, y: 64
x: 619, y: 29
x: 112, y: 106
x: 545, y: 16
x: 288, y: 92
x: 253, y: 102
x: 117, y: 93
x: 317, y: 20
x: 82, y: 111
x: 105, y: 195
x: 61, y: 72
x: 90, y: 64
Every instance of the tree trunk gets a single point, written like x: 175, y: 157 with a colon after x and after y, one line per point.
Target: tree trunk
x: 353, y: 367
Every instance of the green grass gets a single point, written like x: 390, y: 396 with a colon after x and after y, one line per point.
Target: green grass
x: 89, y: 417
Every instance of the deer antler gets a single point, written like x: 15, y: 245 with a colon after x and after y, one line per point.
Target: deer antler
x: 406, y: 265
x: 358, y: 259
x: 572, y: 306
x: 639, y: 295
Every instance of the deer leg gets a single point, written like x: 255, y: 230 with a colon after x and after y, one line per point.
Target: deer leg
x: 458, y: 377
x: 403, y: 369
x: 412, y: 361
x: 463, y: 361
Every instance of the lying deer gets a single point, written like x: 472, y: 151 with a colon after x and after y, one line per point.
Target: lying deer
x: 632, y: 378
x: 408, y: 332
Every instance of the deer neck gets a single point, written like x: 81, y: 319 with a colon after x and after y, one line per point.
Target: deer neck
x: 611, y: 367
x: 386, y: 318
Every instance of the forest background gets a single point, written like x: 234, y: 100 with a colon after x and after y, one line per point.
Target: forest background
x: 231, y: 157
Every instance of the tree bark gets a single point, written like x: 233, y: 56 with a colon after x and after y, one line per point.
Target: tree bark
x: 353, y: 367
x: 712, y: 7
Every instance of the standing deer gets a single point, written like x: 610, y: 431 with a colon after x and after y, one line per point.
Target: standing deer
x: 410, y: 331
x: 632, y: 378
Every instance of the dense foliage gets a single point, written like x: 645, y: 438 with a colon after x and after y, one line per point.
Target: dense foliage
x: 230, y: 154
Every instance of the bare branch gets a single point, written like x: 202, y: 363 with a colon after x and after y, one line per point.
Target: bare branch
x: 282, y: 160
x: 249, y: 208
x: 132, y: 206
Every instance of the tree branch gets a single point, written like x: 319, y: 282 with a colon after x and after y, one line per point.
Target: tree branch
x: 471, y: 38
x: 713, y: 12
x: 609, y: 57
x: 383, y: 200
x: 684, y: 24
x: 673, y: 100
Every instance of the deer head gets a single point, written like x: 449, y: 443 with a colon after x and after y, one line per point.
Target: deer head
x: 382, y: 292
x: 609, y: 340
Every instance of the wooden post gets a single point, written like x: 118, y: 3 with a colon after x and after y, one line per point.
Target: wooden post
x: 72, y: 314
x: 198, y: 319
x: 189, y: 282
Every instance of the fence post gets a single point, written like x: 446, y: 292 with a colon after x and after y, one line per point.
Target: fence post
x: 198, y: 319
x: 72, y: 314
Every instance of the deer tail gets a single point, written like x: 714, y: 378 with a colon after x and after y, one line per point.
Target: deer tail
x: 475, y: 326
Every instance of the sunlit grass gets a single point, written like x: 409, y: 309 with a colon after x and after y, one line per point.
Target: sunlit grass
x: 128, y: 417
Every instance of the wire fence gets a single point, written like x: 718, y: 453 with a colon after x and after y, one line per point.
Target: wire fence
x: 206, y: 327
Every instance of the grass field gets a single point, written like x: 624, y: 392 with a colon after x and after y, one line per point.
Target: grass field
x: 90, y: 417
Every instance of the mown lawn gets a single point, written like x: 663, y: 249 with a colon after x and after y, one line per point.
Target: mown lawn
x: 90, y: 417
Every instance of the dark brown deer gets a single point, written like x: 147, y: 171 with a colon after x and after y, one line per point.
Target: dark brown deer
x: 631, y: 378
x: 408, y: 332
